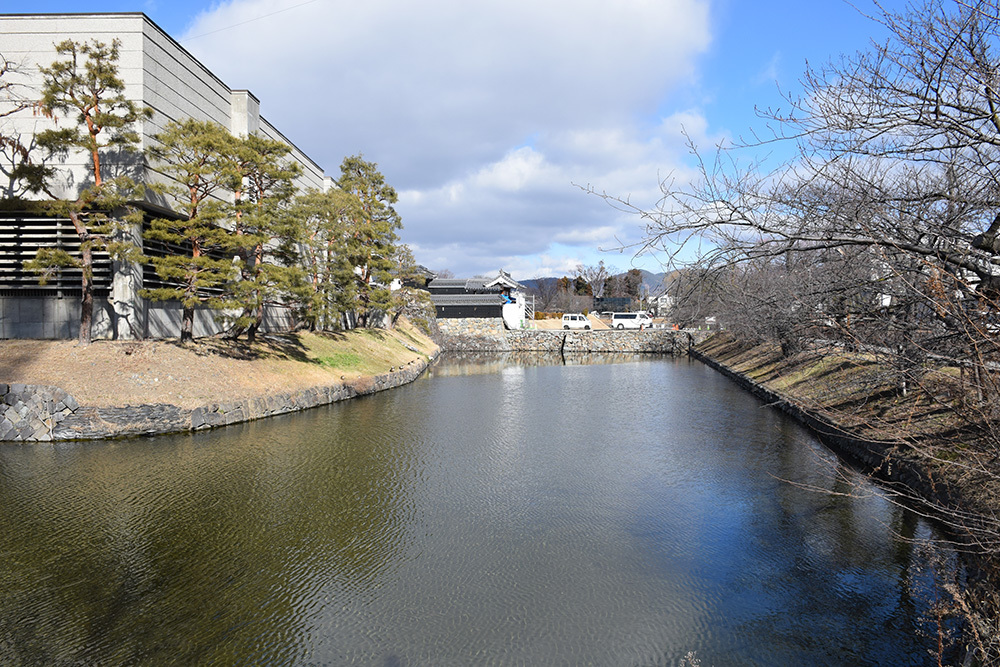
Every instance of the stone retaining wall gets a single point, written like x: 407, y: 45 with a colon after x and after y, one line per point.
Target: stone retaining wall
x: 475, y: 334
x: 35, y: 413
x: 483, y: 334
x: 32, y: 412
x: 654, y: 341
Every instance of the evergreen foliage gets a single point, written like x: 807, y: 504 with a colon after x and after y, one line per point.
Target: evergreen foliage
x: 329, y: 274
x: 266, y: 230
x: 371, y: 235
x: 85, y: 86
x: 239, y: 239
x: 199, y: 157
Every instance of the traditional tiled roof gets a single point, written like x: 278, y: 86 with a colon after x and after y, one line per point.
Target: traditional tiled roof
x: 502, y: 280
x: 466, y: 299
x: 474, y: 285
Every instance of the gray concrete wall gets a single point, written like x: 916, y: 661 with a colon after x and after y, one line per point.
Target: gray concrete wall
x: 59, y: 319
x: 52, y: 317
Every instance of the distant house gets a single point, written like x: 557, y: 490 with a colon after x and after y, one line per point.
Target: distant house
x: 661, y: 305
x: 497, y: 297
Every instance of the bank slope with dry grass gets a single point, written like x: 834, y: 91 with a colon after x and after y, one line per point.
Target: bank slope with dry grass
x: 165, y: 381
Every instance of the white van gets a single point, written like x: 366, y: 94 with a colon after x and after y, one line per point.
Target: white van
x: 631, y: 321
x: 575, y: 321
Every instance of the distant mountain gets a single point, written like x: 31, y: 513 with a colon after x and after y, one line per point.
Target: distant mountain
x: 534, y: 282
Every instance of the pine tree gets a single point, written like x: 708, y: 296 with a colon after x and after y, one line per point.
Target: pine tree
x: 371, y: 235
x: 266, y: 229
x: 329, y: 272
x: 199, y: 158
x: 409, y: 301
x: 85, y: 85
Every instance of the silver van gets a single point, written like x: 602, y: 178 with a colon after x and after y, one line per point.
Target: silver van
x: 631, y: 321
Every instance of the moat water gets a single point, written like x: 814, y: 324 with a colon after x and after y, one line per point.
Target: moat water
x: 498, y: 512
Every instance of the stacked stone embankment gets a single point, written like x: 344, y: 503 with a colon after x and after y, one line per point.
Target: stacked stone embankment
x: 35, y: 413
x: 489, y: 335
x: 473, y: 334
x: 31, y: 412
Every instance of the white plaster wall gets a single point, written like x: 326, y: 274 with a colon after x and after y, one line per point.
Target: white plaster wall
x: 29, y: 42
x: 158, y: 72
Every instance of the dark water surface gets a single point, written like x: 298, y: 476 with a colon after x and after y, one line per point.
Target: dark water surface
x: 611, y: 514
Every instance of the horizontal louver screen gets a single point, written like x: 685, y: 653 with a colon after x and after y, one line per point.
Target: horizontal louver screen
x: 20, y: 239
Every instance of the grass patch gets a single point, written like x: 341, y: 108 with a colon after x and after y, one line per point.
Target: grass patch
x: 365, y: 351
x: 346, y: 361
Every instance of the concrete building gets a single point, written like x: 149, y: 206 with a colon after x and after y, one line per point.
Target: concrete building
x: 158, y: 73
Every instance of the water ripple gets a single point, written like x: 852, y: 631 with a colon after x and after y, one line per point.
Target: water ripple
x: 619, y: 513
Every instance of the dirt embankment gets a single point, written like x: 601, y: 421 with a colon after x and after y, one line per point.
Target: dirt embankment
x: 207, y: 370
x: 926, y: 424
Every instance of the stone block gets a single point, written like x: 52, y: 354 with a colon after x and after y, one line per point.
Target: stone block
x: 198, y: 418
x: 6, y: 428
x: 215, y: 419
x: 258, y: 407
x: 236, y: 415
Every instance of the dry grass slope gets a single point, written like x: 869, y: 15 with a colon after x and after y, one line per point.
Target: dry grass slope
x: 207, y: 370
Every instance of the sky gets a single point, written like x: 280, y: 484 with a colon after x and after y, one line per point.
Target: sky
x: 492, y: 118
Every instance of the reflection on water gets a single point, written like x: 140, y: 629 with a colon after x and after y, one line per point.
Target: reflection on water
x: 605, y: 512
x: 486, y: 363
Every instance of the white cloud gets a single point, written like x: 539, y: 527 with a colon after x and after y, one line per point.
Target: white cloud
x: 483, y: 115
x: 519, y: 169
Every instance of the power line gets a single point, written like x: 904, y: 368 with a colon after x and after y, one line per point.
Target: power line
x: 257, y: 18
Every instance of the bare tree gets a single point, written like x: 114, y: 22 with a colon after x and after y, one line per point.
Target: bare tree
x: 882, y: 231
x: 13, y: 149
x: 546, y: 290
x: 595, y: 275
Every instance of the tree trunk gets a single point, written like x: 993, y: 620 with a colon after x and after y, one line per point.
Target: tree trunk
x: 258, y: 322
x: 256, y: 311
x: 87, y: 289
x: 187, y: 324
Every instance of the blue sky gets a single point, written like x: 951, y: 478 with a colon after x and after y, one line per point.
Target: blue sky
x: 486, y: 116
